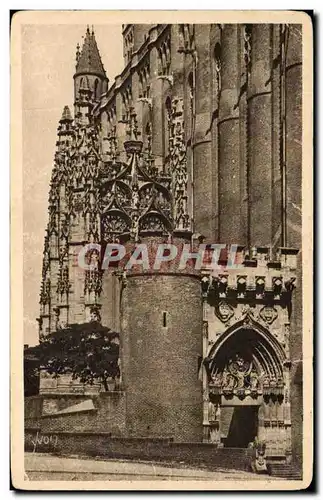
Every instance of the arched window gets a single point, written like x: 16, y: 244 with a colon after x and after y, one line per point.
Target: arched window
x: 168, y: 105
x: 148, y: 139
x: 190, y: 106
x: 217, y: 65
x: 167, y: 129
x: 191, y: 83
x: 96, y: 90
x: 81, y: 84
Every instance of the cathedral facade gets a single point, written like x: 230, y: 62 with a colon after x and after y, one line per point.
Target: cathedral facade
x: 198, y: 141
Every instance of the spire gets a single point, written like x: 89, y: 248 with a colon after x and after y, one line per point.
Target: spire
x: 65, y: 129
x: 66, y: 116
x: 88, y: 61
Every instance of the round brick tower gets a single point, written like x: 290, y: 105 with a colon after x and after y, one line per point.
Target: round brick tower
x: 160, y: 308
x: 161, y: 326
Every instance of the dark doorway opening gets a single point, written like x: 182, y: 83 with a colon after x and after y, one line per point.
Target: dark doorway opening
x: 243, y: 427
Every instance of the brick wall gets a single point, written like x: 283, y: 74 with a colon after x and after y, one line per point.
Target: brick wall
x: 108, y: 415
x: 160, y: 363
x: 33, y: 407
x: 102, y: 444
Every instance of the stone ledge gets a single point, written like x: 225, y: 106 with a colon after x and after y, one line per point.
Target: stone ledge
x: 106, y: 394
x: 73, y: 412
x: 72, y: 433
x: 83, y: 407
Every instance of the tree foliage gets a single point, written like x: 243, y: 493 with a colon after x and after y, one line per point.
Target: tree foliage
x: 31, y: 373
x: 88, y: 351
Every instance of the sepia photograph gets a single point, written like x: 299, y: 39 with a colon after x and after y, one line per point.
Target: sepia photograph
x: 161, y: 244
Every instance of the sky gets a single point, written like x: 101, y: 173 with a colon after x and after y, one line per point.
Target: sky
x: 48, y: 65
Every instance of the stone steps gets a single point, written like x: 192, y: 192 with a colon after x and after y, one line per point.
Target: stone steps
x: 286, y: 471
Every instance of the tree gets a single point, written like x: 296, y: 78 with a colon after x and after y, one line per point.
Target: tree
x: 87, y: 351
x: 31, y: 372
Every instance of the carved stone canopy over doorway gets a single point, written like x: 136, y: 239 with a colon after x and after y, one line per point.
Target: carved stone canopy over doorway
x: 246, y: 362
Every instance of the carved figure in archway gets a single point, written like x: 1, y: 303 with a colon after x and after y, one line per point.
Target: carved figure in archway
x: 253, y: 380
x: 211, y: 412
x: 95, y: 315
x: 216, y: 379
x: 248, y: 362
x: 240, y: 369
x: 238, y: 373
x: 228, y: 381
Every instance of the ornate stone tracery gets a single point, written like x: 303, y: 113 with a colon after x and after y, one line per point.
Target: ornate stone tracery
x: 95, y: 197
x: 134, y: 196
x: 247, y: 365
x: 93, y: 282
x: 164, y: 57
x: 178, y: 165
x: 247, y: 31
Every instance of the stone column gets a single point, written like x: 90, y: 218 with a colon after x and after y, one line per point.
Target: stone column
x: 276, y: 80
x: 202, y: 153
x: 110, y: 300
x: 261, y: 426
x: 215, y: 61
x: 120, y: 126
x: 205, y: 385
x: 138, y: 106
x: 177, y: 63
x: 179, y: 104
x: 104, y: 132
x: 260, y: 136
x: 293, y: 202
x: 76, y: 273
x: 54, y: 269
x: 45, y: 326
x: 244, y: 76
x: 76, y: 278
x: 293, y: 80
x: 287, y: 416
x: 157, y: 86
x: 228, y: 126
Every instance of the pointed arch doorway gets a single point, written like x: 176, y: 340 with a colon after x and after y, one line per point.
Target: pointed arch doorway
x: 248, y: 389
x: 241, y: 425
